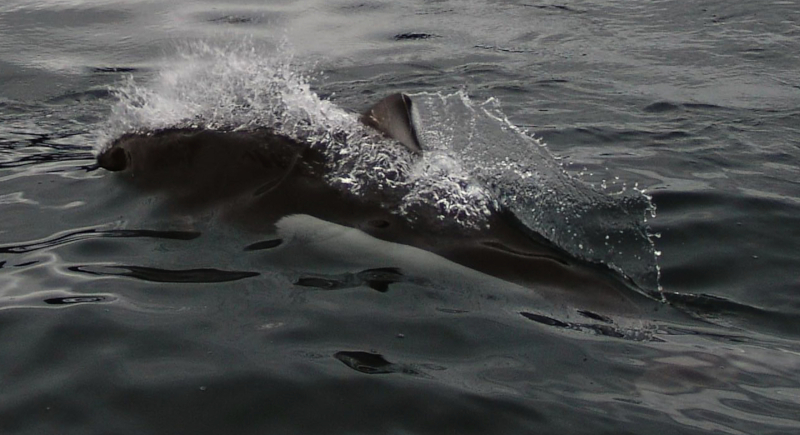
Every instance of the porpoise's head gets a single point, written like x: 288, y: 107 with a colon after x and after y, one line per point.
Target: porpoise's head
x: 114, y: 159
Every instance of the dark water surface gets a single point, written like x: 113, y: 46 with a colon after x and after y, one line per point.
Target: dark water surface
x: 120, y: 314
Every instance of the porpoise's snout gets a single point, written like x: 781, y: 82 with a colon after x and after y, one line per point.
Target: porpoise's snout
x: 113, y: 159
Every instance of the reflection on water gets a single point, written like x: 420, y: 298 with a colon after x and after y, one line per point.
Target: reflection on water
x: 120, y: 315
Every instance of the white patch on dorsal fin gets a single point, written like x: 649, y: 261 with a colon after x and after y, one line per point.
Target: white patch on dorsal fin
x: 392, y: 117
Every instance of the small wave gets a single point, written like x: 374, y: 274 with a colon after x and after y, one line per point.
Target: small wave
x: 475, y: 163
x: 520, y: 175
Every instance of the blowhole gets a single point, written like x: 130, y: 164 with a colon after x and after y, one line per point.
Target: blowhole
x: 379, y: 223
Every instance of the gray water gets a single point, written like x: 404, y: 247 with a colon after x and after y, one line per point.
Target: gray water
x: 118, y: 315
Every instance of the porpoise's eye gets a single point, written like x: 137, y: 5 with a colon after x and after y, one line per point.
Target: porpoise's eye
x: 379, y: 223
x: 113, y: 159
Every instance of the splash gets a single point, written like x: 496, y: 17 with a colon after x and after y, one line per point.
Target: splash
x: 238, y: 86
x: 475, y: 161
x: 244, y: 86
x: 522, y: 176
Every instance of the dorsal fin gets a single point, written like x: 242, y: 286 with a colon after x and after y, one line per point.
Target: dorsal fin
x: 392, y: 117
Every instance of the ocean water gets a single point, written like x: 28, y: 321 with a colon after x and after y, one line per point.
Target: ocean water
x: 600, y: 236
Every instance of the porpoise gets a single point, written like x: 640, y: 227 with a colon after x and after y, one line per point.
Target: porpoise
x: 259, y: 177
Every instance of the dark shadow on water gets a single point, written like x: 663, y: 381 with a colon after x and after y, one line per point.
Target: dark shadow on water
x: 607, y: 330
x: 545, y: 320
x: 73, y: 236
x: 594, y: 316
x: 413, y: 36
x: 152, y: 274
x: 71, y: 300
x: 377, y: 279
x: 266, y: 244
x: 114, y: 69
x: 666, y: 106
x: 376, y: 364
x: 554, y: 7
